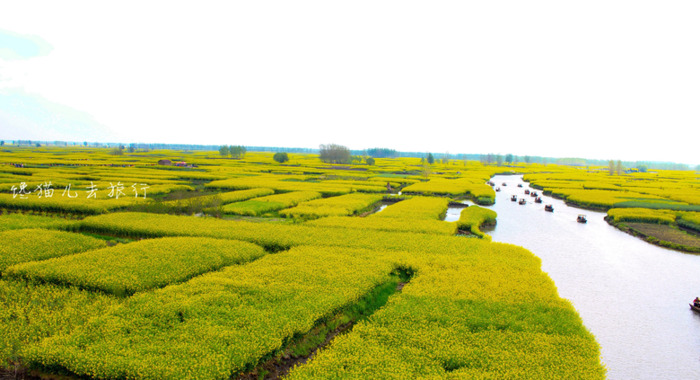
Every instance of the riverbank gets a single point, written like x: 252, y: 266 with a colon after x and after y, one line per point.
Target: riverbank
x: 663, y: 235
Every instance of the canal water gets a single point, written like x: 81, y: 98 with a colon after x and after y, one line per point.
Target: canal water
x: 633, y: 296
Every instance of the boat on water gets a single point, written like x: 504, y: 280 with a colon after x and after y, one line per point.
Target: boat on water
x: 695, y: 308
x: 498, y: 189
x: 527, y: 191
x: 514, y: 198
x: 520, y: 185
x: 522, y: 201
x: 581, y: 219
x: 538, y: 200
x: 549, y: 208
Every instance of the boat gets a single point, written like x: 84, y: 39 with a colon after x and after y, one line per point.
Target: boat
x: 538, y: 200
x: 533, y: 194
x: 504, y: 184
x: 527, y: 191
x: 514, y: 198
x: 522, y: 201
x: 695, y: 308
x: 520, y: 185
x: 498, y: 189
x: 549, y: 208
x: 581, y: 218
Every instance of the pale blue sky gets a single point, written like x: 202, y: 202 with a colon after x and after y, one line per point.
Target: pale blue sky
x: 598, y: 79
x: 16, y: 46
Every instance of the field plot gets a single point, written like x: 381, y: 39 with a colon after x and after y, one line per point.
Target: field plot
x: 334, y: 206
x: 306, y: 257
x: 24, y: 245
x: 417, y: 208
x: 261, y: 205
x: 14, y: 221
x: 476, y: 189
x: 232, y: 318
x: 471, y: 218
x: 127, y: 269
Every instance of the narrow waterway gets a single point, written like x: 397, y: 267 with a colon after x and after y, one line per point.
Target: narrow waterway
x: 633, y: 296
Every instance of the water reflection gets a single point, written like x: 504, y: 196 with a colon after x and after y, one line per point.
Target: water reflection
x: 633, y: 296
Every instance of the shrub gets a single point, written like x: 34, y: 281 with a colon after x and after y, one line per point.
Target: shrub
x: 281, y: 157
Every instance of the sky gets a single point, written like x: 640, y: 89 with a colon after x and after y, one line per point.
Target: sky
x: 595, y: 79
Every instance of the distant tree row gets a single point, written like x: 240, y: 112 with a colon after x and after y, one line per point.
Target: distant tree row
x: 235, y: 151
x: 381, y: 152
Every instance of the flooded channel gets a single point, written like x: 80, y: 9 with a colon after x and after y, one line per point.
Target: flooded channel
x: 633, y: 296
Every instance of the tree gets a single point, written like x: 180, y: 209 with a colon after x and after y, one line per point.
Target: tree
x: 132, y: 148
x: 430, y: 159
x: 527, y: 159
x: 619, y: 167
x: 446, y: 158
x: 642, y: 168
x: 611, y: 167
x: 509, y: 158
x: 426, y: 170
x: 116, y: 151
x: 489, y: 158
x: 334, y: 154
x: 370, y: 161
x: 499, y: 160
x: 237, y: 151
x: 281, y: 157
x: 224, y: 151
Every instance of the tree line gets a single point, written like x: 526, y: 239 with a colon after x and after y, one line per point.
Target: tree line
x: 233, y: 151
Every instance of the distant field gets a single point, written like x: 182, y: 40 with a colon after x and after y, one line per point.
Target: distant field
x: 220, y: 267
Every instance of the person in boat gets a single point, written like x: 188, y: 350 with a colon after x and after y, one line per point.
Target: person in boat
x: 696, y: 302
